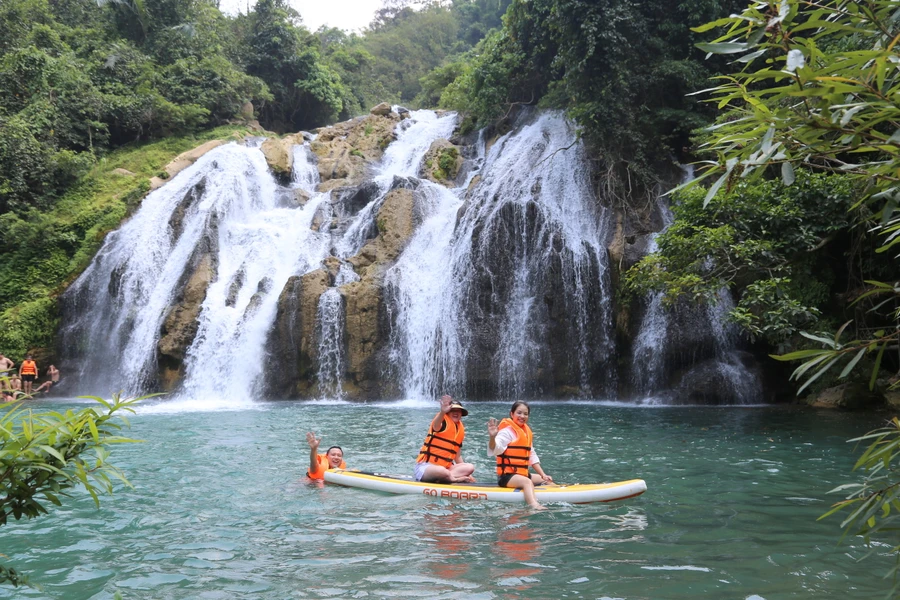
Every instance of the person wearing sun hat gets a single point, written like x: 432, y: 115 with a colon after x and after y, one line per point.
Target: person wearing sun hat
x: 440, y: 459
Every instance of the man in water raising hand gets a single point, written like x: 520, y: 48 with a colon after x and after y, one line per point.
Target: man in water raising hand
x: 319, y: 463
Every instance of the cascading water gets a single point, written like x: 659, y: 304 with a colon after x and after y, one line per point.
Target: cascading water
x: 503, y: 289
x: 743, y: 384
x: 652, y: 360
x: 649, y: 351
x: 227, y: 214
x: 474, y: 308
x: 330, y: 322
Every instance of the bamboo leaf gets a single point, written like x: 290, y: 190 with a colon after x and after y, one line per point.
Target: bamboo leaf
x: 787, y: 173
x: 853, y: 362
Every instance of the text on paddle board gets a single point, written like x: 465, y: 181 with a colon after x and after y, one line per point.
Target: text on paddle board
x: 455, y: 494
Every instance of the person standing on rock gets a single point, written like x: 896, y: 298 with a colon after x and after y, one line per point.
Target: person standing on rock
x: 28, y: 371
x: 440, y: 459
x: 333, y: 458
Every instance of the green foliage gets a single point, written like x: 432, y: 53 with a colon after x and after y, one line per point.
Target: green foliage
x: 871, y: 509
x: 402, y: 46
x: 44, y: 250
x: 306, y: 92
x: 620, y: 68
x: 820, y: 87
x: 43, y: 456
x: 778, y: 246
x: 446, y: 164
x: 410, y: 44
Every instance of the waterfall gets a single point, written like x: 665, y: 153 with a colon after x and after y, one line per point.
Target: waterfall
x: 649, y: 350
x: 652, y: 360
x: 502, y: 290
x: 742, y: 383
x: 482, y: 298
x: 227, y: 214
x: 330, y: 322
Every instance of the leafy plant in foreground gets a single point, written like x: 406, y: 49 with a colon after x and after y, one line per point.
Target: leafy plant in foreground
x: 819, y: 88
x: 874, y: 504
x: 43, y: 455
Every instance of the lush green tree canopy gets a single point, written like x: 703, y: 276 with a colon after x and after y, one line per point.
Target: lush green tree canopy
x: 622, y: 69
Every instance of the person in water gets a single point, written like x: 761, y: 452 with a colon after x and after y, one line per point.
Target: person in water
x: 333, y: 458
x: 440, y: 459
x: 510, y: 441
x: 28, y: 371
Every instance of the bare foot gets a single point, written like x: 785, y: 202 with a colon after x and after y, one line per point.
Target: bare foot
x: 538, y: 506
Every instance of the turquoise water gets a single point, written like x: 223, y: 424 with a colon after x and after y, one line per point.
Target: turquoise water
x: 221, y: 510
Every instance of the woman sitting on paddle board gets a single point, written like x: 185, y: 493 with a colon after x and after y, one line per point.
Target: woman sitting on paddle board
x: 511, y: 442
x: 440, y: 459
x: 319, y: 463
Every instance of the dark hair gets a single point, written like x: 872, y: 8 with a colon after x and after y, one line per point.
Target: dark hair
x: 333, y: 447
x: 517, y: 405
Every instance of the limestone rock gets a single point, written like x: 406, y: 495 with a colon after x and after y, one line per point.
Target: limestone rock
x: 346, y: 150
x: 382, y: 109
x: 279, y: 154
x: 123, y: 172
x: 442, y: 163
x: 846, y: 395
x: 247, y: 111
x: 362, y: 334
x: 180, y: 325
x: 183, y: 161
x: 293, y: 347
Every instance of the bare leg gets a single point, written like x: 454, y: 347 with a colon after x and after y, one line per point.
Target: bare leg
x: 436, y: 474
x: 527, y: 486
x: 462, y: 473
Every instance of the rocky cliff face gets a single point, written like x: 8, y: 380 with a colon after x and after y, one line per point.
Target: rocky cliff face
x: 573, y: 348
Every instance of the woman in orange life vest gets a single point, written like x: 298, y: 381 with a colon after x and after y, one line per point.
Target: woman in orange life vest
x: 511, y: 442
x: 440, y: 459
x: 319, y: 463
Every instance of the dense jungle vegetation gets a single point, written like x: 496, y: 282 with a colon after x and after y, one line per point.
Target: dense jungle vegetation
x: 87, y: 86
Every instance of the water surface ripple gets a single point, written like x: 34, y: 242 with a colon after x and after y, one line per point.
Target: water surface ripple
x: 221, y: 510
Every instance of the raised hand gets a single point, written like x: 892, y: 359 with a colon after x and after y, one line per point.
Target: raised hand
x: 493, y: 427
x: 446, y: 401
x: 313, y: 441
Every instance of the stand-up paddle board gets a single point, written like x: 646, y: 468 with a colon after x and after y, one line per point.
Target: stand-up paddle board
x: 573, y: 494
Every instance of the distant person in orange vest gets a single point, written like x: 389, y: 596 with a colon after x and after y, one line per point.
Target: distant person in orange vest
x: 29, y: 372
x: 333, y: 458
x: 440, y: 459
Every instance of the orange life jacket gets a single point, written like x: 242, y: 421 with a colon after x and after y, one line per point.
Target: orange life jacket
x: 29, y: 367
x: 515, y: 458
x: 324, y: 465
x: 441, y: 447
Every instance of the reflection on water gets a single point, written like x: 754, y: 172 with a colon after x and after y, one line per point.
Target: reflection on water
x: 446, y: 530
x: 221, y: 509
x: 518, y: 547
